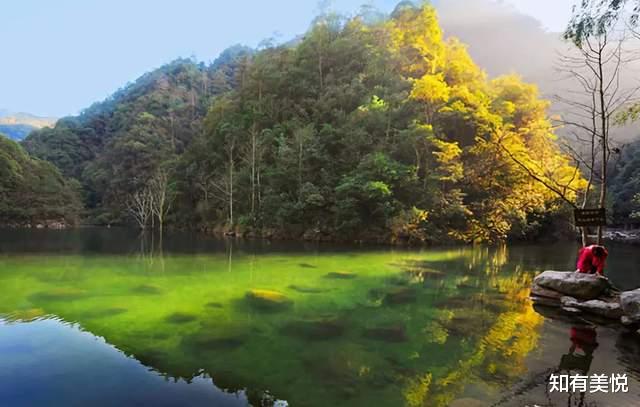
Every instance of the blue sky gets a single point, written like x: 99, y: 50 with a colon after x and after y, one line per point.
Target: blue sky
x: 59, y: 56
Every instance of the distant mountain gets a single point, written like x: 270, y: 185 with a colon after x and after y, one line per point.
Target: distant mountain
x: 17, y: 126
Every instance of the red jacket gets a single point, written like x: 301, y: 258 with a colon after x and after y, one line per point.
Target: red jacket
x: 589, y: 263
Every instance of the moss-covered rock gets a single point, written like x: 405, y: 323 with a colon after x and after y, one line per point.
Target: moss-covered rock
x: 214, y: 304
x: 341, y: 275
x: 181, y: 318
x: 390, y: 333
x: 146, y: 289
x: 218, y: 337
x: 403, y: 295
x: 315, y: 330
x: 268, y: 300
x: 105, y: 312
x: 308, y: 290
x: 307, y: 266
x: 59, y: 294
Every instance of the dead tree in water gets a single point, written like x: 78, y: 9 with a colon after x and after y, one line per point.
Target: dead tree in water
x: 139, y: 205
x: 161, y: 197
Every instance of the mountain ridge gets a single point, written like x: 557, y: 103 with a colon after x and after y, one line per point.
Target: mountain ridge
x: 19, y: 125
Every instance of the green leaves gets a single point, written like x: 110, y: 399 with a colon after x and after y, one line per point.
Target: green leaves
x: 32, y: 190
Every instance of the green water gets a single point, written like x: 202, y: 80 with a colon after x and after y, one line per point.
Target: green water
x: 106, y: 319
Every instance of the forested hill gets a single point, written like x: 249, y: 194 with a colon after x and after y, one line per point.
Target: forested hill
x: 359, y: 131
x: 32, y: 191
x: 144, y: 124
x: 625, y: 185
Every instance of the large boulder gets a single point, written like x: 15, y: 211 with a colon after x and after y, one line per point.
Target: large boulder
x: 579, y: 285
x: 538, y: 291
x: 545, y: 301
x: 630, y: 302
x: 610, y: 310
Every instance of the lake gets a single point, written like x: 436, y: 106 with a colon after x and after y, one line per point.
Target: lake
x: 101, y: 317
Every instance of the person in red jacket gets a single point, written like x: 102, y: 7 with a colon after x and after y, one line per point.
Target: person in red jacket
x: 591, y: 259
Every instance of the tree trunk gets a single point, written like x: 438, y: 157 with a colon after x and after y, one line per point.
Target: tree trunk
x: 604, y: 135
x: 231, y: 186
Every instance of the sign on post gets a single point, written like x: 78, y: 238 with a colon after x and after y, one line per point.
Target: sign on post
x: 590, y: 217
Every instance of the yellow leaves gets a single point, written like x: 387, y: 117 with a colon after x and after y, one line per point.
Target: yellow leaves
x: 431, y: 89
x: 416, y: 34
x: 447, y: 154
x: 417, y: 390
x: 410, y: 223
x: 459, y: 68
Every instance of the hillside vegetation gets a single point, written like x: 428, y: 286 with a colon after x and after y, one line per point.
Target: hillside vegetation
x: 32, y: 191
x: 379, y: 131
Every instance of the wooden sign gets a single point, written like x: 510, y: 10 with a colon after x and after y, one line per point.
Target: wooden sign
x: 590, y: 217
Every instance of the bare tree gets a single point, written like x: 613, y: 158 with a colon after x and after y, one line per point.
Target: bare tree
x: 223, y: 187
x: 595, y: 65
x: 162, y: 196
x: 139, y: 205
x: 301, y: 137
x: 252, y: 157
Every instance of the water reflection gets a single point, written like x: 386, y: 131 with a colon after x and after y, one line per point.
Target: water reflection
x: 49, y: 362
x: 315, y: 327
x: 583, y: 344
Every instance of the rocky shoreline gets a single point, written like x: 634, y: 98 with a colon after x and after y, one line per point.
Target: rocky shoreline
x: 623, y: 236
x: 587, y: 296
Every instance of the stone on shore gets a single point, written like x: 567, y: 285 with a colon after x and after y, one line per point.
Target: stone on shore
x: 537, y: 291
x: 572, y: 310
x: 610, y: 310
x: 630, y: 303
x: 577, y: 285
x: 628, y: 322
x: 545, y: 301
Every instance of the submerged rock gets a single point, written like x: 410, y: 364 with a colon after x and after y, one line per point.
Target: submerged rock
x: 307, y: 266
x: 420, y: 275
x: 180, y: 318
x: 214, y: 305
x: 268, y: 300
x: 630, y: 303
x: 308, y: 290
x: 59, y: 294
x: 146, y: 289
x: 577, y: 285
x: 341, y: 275
x: 315, y: 330
x: 400, y: 296
x: 217, y: 337
x: 610, y: 310
x: 104, y: 313
x: 394, y: 333
x: 204, y: 342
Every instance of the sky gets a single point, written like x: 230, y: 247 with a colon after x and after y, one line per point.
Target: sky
x: 60, y: 56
